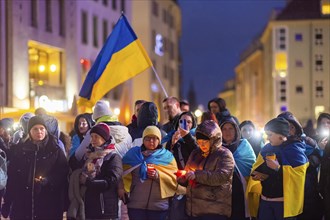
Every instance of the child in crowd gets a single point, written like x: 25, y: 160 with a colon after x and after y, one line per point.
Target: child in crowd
x: 278, y: 176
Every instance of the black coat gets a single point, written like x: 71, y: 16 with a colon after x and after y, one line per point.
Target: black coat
x: 325, y: 180
x: 101, y: 197
x: 48, y: 199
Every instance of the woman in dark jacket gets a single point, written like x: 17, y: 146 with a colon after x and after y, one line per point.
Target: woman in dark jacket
x: 244, y: 159
x: 100, y: 176
x: 209, y: 176
x: 181, y: 141
x: 37, y: 175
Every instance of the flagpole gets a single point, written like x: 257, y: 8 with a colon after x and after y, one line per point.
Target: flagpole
x: 160, y: 82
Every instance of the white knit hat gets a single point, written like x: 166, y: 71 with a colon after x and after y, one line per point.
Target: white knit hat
x: 101, y: 108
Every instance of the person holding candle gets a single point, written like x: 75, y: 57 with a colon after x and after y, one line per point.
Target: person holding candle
x: 149, y: 177
x: 37, y: 175
x: 276, y: 186
x: 208, y: 177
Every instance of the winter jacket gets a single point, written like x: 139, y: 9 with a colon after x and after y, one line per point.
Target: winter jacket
x: 210, y: 191
x: 48, y: 197
x: 101, y: 196
x: 325, y: 180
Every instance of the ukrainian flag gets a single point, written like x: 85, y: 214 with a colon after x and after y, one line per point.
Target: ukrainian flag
x: 295, y: 164
x: 121, y: 58
x: 163, y: 161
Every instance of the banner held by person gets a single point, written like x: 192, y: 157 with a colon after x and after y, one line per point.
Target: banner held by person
x: 121, y: 58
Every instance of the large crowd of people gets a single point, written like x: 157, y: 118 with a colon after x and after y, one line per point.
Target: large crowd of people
x: 216, y: 168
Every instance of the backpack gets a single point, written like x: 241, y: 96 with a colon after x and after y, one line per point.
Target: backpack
x: 3, y: 170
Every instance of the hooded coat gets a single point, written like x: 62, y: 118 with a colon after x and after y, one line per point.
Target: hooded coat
x: 148, y: 115
x: 210, y: 193
x: 244, y: 159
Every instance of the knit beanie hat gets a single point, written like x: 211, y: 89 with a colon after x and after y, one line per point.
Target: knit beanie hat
x: 101, y: 109
x: 293, y: 120
x: 36, y: 120
x: 152, y: 130
x: 101, y: 129
x: 278, y: 126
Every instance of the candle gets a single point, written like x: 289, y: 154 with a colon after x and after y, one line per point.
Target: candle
x: 180, y: 173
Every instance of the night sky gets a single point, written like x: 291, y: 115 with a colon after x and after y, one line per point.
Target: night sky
x: 214, y: 34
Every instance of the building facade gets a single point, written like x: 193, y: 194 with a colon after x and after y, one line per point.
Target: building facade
x: 48, y: 46
x: 290, y: 69
x: 158, y: 24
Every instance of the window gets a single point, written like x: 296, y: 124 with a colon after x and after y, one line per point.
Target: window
x: 61, y: 16
x: 171, y: 20
x: 44, y: 66
x: 298, y: 37
x: 164, y: 16
x: 84, y: 27
x: 280, y: 36
x: 299, y: 63
x: 48, y: 15
x: 318, y: 62
x: 95, y: 35
x: 114, y: 4
x: 34, y: 15
x: 172, y: 79
x: 122, y: 5
x: 105, y: 30
x: 325, y: 7
x: 319, y: 89
x: 318, y: 36
x: 165, y: 72
x: 282, y: 90
x: 299, y: 90
x: 154, y: 6
x: 171, y: 50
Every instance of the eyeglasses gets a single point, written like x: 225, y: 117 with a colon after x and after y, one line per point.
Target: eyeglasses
x: 151, y: 138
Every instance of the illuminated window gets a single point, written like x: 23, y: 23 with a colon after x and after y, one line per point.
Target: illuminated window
x: 281, y: 61
x: 44, y: 65
x: 318, y: 109
x: 325, y: 7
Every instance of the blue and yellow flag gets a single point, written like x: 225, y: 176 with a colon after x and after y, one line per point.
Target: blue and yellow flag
x: 163, y: 161
x: 121, y: 58
x: 295, y: 164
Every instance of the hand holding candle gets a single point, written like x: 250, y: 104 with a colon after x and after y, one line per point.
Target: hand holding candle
x: 152, y: 172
